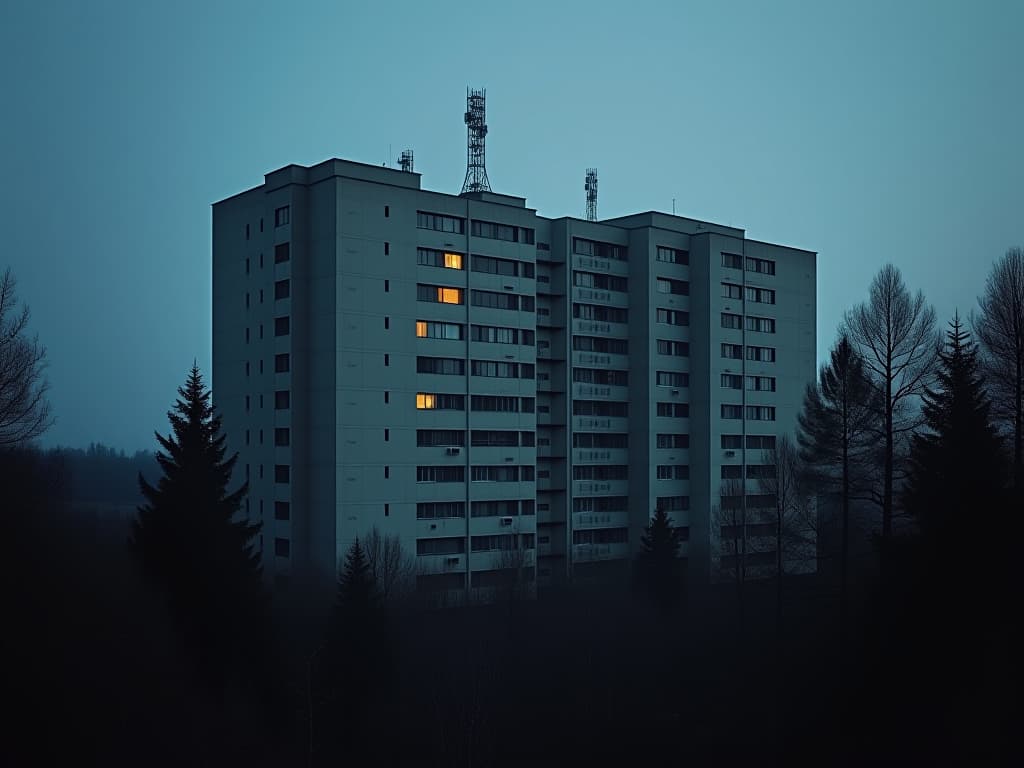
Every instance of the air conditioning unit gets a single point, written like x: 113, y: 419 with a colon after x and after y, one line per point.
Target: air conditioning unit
x: 506, y: 521
x: 730, y: 454
x: 452, y: 561
x: 452, y: 451
x: 675, y: 391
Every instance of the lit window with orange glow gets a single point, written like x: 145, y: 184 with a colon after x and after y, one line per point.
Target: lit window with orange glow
x: 421, y: 328
x: 425, y: 401
x: 449, y: 295
x: 453, y: 260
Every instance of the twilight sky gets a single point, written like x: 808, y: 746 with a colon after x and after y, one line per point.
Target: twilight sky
x: 867, y: 131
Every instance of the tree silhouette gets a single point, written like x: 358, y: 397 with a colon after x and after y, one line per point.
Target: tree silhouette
x: 895, y: 334
x: 957, y: 464
x: 192, y: 545
x: 24, y: 410
x: 658, y: 561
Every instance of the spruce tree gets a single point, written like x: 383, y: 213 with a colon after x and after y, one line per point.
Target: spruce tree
x: 958, y: 471
x: 658, y: 561
x: 193, y: 546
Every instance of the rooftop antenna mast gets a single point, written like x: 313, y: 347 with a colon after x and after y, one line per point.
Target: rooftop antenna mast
x: 591, y: 187
x: 405, y: 160
x: 476, y: 130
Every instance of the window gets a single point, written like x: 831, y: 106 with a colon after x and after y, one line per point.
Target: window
x: 600, y: 313
x: 762, y: 442
x: 732, y: 291
x: 600, y: 408
x: 494, y: 543
x: 282, y: 289
x: 504, y: 508
x: 282, y: 400
x: 440, y: 223
x: 282, y: 510
x: 387, y: 211
x: 442, y: 438
x: 387, y: 435
x: 387, y: 319
x: 247, y: 334
x: 494, y: 335
x: 387, y: 510
x: 444, y: 366
x: 600, y: 440
x: 674, y: 348
x: 672, y: 317
x: 761, y: 354
x: 761, y: 324
x: 282, y: 436
x: 732, y: 381
x: 247, y: 266
x: 495, y: 231
x: 387, y: 359
x: 261, y: 330
x: 732, y: 260
x: 499, y: 438
x: 495, y: 403
x: 428, y: 257
x: 436, y: 510
x: 600, y: 344
x: 732, y: 321
x: 282, y: 547
x: 598, y: 250
x: 431, y: 402
x: 760, y: 295
x: 492, y: 266
x: 761, y: 413
x: 675, y: 287
x: 760, y: 471
x: 247, y: 402
x: 387, y: 472
x: 732, y: 442
x: 764, y: 266
x: 672, y: 379
x: 601, y: 536
x: 501, y: 370
x: 495, y: 474
x: 732, y: 411
x: 732, y: 472
x: 282, y: 473
x: 246, y: 231
x: 387, y: 397
x: 246, y: 367
x: 429, y: 330
x: 601, y: 282
x: 672, y: 441
x: 674, y: 410
x: 440, y: 474
x: 282, y: 326
x: 494, y: 300
x: 672, y: 255
x: 282, y: 215
x: 732, y: 351
x: 387, y: 286
x: 282, y: 253
x: 387, y: 248
x: 761, y: 383
x: 246, y: 299
x: 605, y: 376
x: 438, y: 294
x: 673, y: 503
x: 449, y: 545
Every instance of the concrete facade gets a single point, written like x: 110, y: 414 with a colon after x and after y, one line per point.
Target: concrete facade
x: 496, y: 388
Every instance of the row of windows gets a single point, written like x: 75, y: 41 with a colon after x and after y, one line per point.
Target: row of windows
x: 428, y: 257
x: 600, y: 504
x: 600, y: 344
x: 600, y: 472
x: 600, y: 408
x: 606, y: 376
x: 282, y: 364
x: 504, y: 508
x: 673, y: 348
x: 439, y: 294
x: 438, y: 510
x: 672, y: 379
x: 600, y: 313
x: 502, y: 542
x: 672, y: 317
x: 599, y: 250
x: 760, y: 324
x: 494, y: 231
x: 494, y: 300
x: 440, y: 223
x: 672, y: 255
x: 760, y: 354
x: 494, y: 266
x: 600, y: 440
x: 754, y: 501
x: 757, y: 295
x: 673, y: 503
x: 456, y: 366
x: 754, y: 383
x: 673, y: 472
x: 676, y: 410
x: 735, y: 442
x: 754, y: 471
x: 754, y: 412
x: 478, y: 474
x: 735, y: 261
x: 282, y: 437
x: 601, y: 282
x: 672, y: 441
x: 601, y: 536
x: 675, y: 287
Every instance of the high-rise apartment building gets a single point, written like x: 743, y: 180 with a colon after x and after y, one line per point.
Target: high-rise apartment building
x: 505, y: 392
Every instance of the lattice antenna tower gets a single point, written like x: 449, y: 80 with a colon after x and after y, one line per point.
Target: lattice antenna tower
x: 405, y: 160
x: 591, y: 187
x: 476, y: 133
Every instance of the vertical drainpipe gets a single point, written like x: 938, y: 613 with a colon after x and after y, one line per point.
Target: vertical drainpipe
x: 743, y: 398
x: 469, y: 406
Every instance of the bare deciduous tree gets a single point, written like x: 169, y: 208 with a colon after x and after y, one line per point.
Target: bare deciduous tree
x: 24, y: 410
x: 392, y: 567
x: 896, y: 336
x: 1000, y: 329
x: 795, y: 527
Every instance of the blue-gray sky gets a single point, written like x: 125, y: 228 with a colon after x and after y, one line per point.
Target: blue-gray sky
x: 867, y: 131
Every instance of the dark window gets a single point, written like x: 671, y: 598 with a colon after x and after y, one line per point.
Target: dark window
x: 387, y: 286
x: 387, y: 510
x: 282, y: 216
x: 387, y: 248
x: 282, y: 547
x: 387, y: 471
x: 246, y: 231
x: 387, y: 211
x: 282, y: 510
x: 387, y: 359
x: 282, y: 436
x: 282, y: 289
x: 282, y: 400
x: 282, y: 252
x: 387, y: 321
x: 282, y: 326
x: 440, y: 223
x: 387, y: 397
x: 387, y: 435
x: 282, y: 473
x: 282, y: 363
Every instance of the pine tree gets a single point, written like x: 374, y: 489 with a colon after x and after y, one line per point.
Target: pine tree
x: 958, y: 467
x: 193, y: 547
x: 658, y: 561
